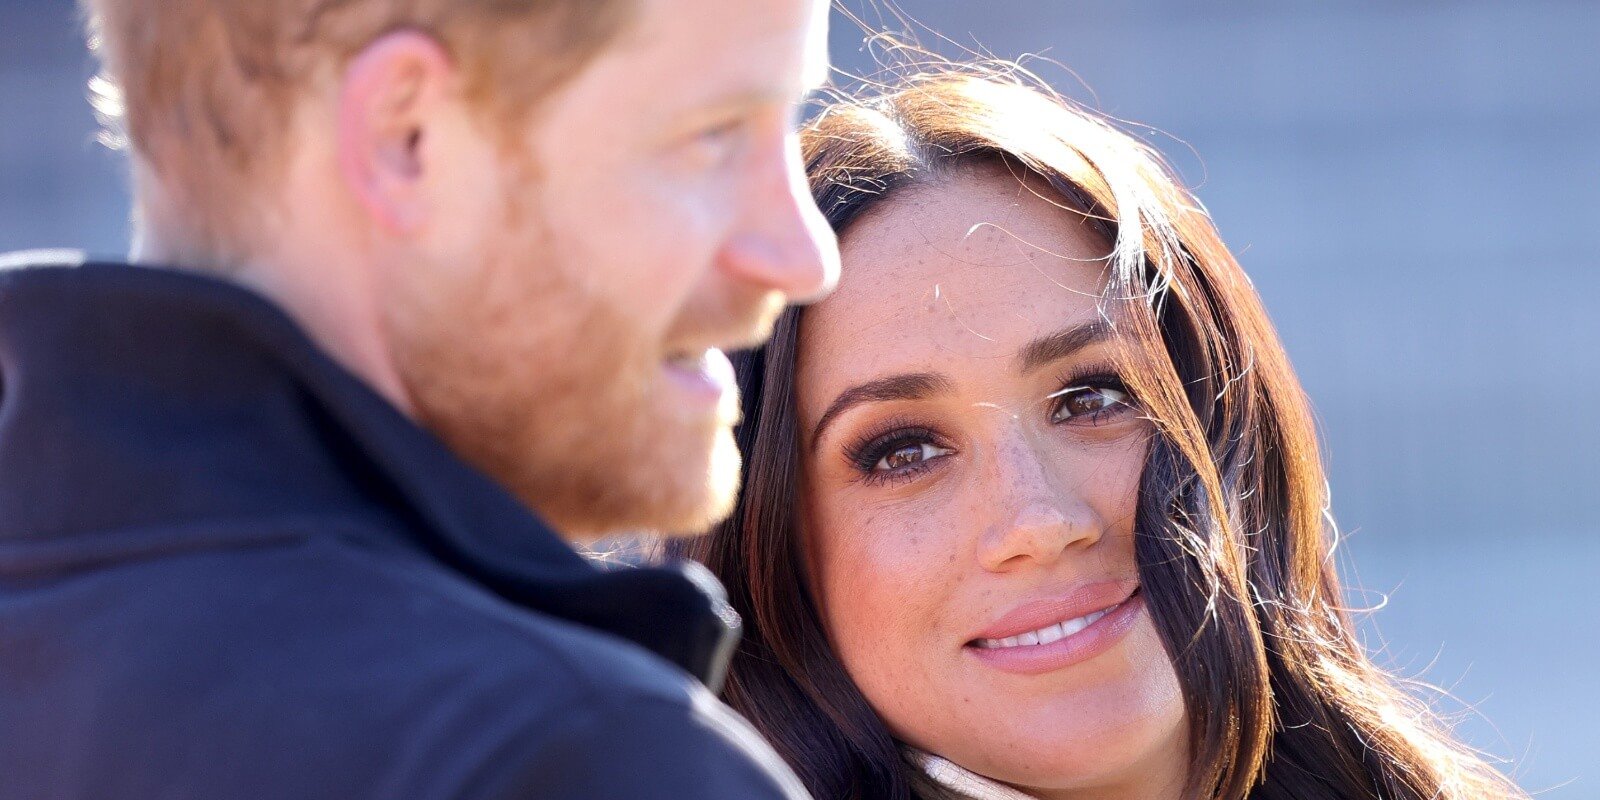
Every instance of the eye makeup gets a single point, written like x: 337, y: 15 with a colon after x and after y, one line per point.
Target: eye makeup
x: 1089, y: 399
x: 900, y: 449
x: 878, y: 443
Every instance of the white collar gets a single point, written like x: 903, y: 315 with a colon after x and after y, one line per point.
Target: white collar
x: 965, y: 783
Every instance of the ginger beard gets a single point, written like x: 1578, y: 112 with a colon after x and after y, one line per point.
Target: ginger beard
x: 528, y: 371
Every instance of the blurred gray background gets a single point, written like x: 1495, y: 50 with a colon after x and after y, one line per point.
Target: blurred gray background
x: 1414, y: 187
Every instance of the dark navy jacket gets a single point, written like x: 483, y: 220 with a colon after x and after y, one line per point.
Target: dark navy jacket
x: 230, y: 570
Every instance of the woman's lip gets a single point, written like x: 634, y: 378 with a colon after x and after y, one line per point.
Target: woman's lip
x: 1038, y: 659
x: 1077, y: 601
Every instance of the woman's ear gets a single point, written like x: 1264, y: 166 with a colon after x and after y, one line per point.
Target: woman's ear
x: 390, y: 95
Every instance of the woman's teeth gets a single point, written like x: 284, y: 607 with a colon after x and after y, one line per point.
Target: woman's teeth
x: 1047, y: 634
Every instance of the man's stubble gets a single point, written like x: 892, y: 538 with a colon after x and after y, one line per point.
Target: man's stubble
x: 529, y: 373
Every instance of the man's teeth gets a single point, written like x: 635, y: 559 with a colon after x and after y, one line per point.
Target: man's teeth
x: 1048, y: 633
x: 688, y: 361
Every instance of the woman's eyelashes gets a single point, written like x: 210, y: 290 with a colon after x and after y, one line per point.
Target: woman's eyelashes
x: 1091, y: 400
x: 897, y: 455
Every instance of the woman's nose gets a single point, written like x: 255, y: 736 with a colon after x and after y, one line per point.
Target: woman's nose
x: 1036, y: 515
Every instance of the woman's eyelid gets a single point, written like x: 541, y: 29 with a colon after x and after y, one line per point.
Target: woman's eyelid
x: 879, y: 445
x: 875, y: 438
x: 868, y: 421
x: 907, y: 473
x: 1075, y: 374
x: 1063, y: 392
x: 1093, y: 376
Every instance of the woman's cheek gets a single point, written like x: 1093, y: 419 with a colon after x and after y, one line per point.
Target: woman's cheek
x: 885, y: 589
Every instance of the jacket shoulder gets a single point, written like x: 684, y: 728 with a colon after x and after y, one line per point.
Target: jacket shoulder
x: 611, y: 719
x: 325, y: 668
x: 648, y: 748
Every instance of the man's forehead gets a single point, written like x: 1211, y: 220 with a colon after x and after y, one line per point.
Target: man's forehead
x: 817, y: 64
x: 750, y: 42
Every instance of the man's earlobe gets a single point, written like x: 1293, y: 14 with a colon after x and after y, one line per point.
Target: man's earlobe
x: 387, y: 97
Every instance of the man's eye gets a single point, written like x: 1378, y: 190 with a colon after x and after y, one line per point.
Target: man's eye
x: 1087, y: 402
x: 718, y: 133
x: 717, y: 141
x: 909, y: 454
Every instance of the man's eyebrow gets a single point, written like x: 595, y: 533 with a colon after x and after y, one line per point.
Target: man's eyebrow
x: 745, y: 99
x: 906, y: 386
x: 1062, y: 343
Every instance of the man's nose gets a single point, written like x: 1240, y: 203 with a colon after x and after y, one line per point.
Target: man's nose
x: 783, y: 243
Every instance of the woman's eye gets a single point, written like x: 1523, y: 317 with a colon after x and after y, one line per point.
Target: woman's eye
x: 1087, y: 401
x: 908, y: 454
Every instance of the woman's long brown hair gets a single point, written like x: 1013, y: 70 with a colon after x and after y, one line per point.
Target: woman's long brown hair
x: 1234, y: 546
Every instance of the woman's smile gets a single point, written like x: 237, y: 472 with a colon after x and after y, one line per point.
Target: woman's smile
x: 1077, y: 637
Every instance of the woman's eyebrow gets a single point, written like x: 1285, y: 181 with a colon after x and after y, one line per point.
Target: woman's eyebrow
x: 906, y: 386
x: 1062, y: 343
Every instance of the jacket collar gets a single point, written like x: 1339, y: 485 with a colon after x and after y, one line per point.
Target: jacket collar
x: 135, y: 399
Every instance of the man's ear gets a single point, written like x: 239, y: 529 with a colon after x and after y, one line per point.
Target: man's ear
x: 389, y: 94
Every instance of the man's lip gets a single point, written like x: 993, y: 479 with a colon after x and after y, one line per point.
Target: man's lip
x: 729, y: 345
x: 706, y: 384
x: 1070, y: 603
x: 691, y: 357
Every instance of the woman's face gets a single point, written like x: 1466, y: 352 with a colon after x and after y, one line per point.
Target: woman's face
x: 972, y: 467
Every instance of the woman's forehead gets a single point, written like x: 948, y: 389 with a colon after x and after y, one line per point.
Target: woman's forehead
x: 974, y: 266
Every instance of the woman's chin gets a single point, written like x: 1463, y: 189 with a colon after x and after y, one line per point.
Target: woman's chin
x: 1122, y: 715
x: 1121, y: 762
x: 1061, y: 765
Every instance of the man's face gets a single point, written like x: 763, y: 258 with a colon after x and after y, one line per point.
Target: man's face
x: 562, y: 325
